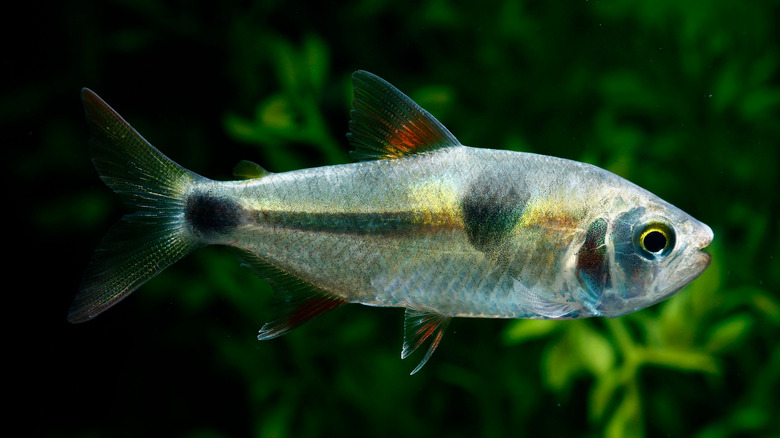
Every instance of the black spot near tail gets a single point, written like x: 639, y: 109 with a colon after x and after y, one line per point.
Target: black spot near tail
x: 209, y: 214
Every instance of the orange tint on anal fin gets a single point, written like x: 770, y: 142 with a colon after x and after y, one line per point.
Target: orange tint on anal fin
x: 297, y: 311
x: 388, y: 124
x: 295, y: 300
x: 421, y: 327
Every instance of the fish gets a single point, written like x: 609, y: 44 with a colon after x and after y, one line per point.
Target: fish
x: 418, y: 221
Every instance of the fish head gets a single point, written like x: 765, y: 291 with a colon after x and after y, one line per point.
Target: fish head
x: 641, y: 254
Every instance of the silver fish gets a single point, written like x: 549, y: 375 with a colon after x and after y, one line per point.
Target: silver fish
x: 420, y: 222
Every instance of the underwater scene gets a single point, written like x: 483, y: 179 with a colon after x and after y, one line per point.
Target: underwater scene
x: 679, y: 98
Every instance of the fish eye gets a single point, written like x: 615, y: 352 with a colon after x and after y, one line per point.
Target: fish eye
x: 655, y: 240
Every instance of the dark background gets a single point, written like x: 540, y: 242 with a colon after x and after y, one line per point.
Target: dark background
x: 682, y: 98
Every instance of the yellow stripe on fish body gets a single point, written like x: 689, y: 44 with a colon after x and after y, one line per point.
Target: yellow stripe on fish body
x: 552, y: 223
x: 437, y: 202
x: 420, y: 222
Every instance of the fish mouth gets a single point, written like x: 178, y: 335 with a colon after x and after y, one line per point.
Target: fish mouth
x: 706, y: 259
x: 699, y: 260
x: 706, y: 238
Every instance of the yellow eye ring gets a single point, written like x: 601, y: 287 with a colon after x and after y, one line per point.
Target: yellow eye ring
x: 655, y: 240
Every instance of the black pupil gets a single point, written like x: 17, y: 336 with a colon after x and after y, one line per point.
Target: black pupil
x: 655, y: 241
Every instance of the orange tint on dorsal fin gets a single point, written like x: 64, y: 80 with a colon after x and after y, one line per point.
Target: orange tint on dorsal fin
x: 388, y: 124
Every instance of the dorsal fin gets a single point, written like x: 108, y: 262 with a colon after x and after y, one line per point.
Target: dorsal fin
x: 420, y: 327
x: 388, y: 124
x: 248, y: 170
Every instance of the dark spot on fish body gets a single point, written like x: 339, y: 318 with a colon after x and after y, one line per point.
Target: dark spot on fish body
x: 490, y: 212
x: 592, y: 263
x: 210, y: 214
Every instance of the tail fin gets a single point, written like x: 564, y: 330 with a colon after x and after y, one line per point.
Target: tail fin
x: 147, y: 241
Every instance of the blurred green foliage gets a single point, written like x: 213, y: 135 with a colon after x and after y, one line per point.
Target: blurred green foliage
x: 682, y: 98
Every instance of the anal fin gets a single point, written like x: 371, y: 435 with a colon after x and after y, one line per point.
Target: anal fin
x: 294, y: 310
x: 295, y: 301
x: 421, y: 327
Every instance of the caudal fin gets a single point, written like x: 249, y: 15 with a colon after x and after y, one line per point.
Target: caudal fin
x: 151, y: 238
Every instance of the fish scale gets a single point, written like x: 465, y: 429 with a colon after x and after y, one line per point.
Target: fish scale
x: 420, y: 222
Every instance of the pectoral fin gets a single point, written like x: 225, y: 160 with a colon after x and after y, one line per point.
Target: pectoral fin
x: 421, y: 327
x: 540, y: 306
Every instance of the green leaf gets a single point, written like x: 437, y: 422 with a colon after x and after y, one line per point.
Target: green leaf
x: 316, y: 58
x: 602, y: 394
x: 523, y: 330
x: 276, y: 114
x: 684, y: 360
x: 729, y: 333
x: 560, y: 366
x: 596, y: 353
x: 627, y: 419
x: 763, y: 102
